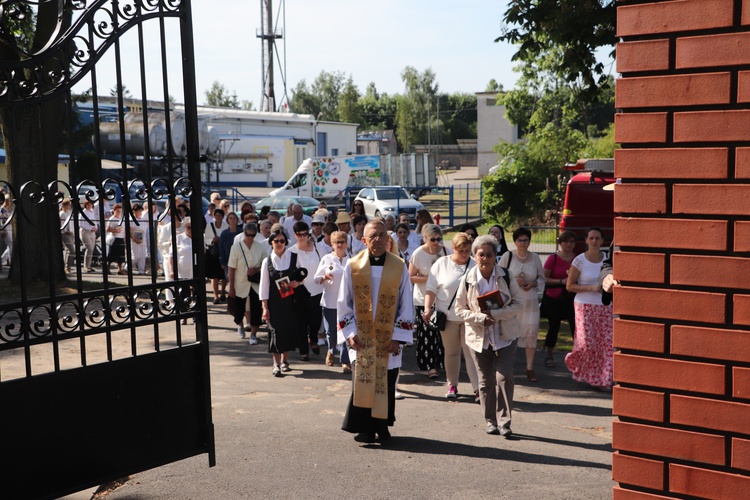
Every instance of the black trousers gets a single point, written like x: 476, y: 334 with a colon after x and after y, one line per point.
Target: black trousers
x: 256, y: 312
x: 310, y: 314
x: 559, y: 310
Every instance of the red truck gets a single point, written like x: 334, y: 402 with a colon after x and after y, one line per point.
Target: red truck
x: 587, y: 203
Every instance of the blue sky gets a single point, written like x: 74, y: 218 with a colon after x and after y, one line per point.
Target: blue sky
x: 371, y: 41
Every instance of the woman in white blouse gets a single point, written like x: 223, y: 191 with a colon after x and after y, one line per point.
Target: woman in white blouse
x: 329, y: 274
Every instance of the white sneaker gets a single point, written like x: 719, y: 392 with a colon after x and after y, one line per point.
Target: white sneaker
x: 241, y: 332
x: 253, y: 340
x: 321, y: 341
x: 247, y: 327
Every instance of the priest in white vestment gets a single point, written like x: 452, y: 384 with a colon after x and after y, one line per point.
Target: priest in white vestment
x: 375, y: 319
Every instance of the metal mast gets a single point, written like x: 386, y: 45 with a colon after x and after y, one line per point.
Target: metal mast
x: 269, y: 32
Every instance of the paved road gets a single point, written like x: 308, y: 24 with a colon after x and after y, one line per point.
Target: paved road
x: 281, y: 438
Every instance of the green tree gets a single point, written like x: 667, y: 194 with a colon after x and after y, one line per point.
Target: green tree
x: 563, y: 102
x: 417, y: 107
x: 303, y: 101
x: 493, y: 86
x: 327, y: 88
x: 378, y: 110
x: 457, y: 117
x: 573, y: 29
x: 527, y: 184
x: 322, y: 98
x: 218, y: 95
x: 349, y: 106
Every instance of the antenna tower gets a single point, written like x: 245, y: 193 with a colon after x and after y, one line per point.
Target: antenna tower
x: 272, y: 26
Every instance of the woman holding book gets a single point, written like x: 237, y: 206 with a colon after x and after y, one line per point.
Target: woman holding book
x: 591, y: 358
x: 491, y: 333
x: 279, y: 276
x: 529, y: 274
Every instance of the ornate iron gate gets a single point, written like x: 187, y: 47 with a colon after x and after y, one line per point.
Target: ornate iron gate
x: 100, y: 374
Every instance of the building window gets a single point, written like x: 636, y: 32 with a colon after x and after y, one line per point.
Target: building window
x: 334, y: 152
x: 491, y: 102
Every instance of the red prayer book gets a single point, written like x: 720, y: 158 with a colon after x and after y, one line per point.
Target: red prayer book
x: 490, y: 300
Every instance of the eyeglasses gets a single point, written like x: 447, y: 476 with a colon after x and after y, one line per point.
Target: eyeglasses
x: 341, y: 242
x: 358, y: 203
x: 318, y: 224
x: 523, y: 241
x: 436, y: 239
x: 303, y: 234
x: 252, y: 235
x: 280, y: 242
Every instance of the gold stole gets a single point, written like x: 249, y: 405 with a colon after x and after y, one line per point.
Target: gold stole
x: 371, y: 369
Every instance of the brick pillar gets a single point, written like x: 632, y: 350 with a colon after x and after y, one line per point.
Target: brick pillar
x: 683, y: 335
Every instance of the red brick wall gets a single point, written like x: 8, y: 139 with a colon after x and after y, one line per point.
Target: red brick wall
x: 682, y: 369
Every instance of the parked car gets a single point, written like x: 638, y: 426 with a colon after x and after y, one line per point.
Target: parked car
x: 279, y: 203
x: 388, y: 200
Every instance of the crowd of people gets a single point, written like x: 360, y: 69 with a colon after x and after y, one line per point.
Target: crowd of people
x: 362, y: 288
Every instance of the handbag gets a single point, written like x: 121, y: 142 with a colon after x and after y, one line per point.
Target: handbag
x: 439, y: 319
x: 213, y: 248
x: 252, y: 278
x: 548, y: 304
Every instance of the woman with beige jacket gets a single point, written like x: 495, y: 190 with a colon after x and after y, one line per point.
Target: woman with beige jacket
x: 489, y: 302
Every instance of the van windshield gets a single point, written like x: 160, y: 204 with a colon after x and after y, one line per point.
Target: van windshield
x: 298, y: 181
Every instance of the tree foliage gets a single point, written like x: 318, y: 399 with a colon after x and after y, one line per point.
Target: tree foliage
x: 563, y: 103
x: 419, y: 114
x: 415, y: 110
x: 218, y: 95
x: 572, y: 29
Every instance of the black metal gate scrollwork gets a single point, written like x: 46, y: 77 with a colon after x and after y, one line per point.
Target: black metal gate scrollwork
x: 104, y: 367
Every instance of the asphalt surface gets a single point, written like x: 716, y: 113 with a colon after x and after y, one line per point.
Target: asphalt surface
x: 281, y: 437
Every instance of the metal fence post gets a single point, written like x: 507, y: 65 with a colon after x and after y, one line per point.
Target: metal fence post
x: 451, y: 206
x: 481, y: 195
x: 467, y: 203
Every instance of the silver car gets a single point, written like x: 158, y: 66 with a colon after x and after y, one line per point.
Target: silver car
x: 388, y: 200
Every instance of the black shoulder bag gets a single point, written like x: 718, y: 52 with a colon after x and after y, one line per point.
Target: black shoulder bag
x: 439, y: 319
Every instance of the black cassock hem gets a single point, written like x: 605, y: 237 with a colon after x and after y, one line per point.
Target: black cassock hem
x: 360, y: 421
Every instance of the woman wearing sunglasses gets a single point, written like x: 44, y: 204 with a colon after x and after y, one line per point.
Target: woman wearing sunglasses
x: 277, y: 284
x: 429, y: 344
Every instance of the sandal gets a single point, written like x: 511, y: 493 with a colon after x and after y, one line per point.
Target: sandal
x: 549, y: 362
x: 531, y: 376
x: 276, y: 372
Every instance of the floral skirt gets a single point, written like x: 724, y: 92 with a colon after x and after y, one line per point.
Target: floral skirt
x: 429, y: 343
x: 591, y: 358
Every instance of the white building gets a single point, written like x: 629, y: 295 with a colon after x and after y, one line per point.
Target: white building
x: 335, y: 138
x: 492, y: 127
